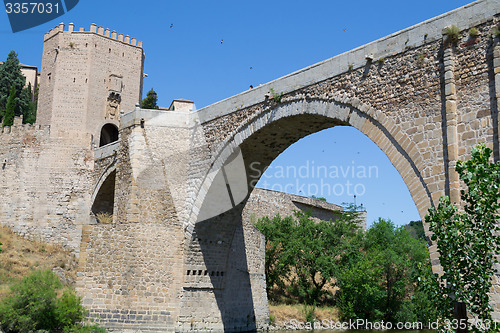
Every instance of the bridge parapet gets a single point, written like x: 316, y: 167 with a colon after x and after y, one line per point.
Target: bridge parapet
x: 158, y: 118
x: 107, y: 150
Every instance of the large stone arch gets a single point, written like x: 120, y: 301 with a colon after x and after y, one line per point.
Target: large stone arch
x: 263, y: 137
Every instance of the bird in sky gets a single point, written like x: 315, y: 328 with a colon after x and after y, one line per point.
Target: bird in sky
x: 251, y: 67
x: 171, y: 25
x: 345, y: 29
x: 221, y: 41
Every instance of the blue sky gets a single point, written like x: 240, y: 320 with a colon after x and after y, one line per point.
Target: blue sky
x: 216, y: 49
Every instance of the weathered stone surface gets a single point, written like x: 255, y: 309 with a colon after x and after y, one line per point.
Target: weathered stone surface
x: 157, y: 265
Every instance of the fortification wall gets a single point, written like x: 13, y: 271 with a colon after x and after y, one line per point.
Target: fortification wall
x: 45, y: 184
x: 49, y: 175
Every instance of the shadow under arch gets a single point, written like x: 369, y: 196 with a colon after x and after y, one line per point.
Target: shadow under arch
x: 103, y: 196
x: 259, y: 141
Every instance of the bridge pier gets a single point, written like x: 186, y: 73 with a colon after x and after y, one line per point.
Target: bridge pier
x: 152, y: 268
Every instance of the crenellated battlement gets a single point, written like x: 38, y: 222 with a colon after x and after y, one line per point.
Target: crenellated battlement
x: 20, y: 130
x: 94, y: 29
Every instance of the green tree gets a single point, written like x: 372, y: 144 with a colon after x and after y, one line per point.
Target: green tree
x: 322, y: 249
x: 279, y: 255
x: 467, y: 240
x: 11, y: 75
x: 8, y: 118
x: 318, y: 198
x: 360, y: 291
x: 29, y: 111
x: 29, y: 117
x: 377, y: 286
x: 150, y: 101
x: 306, y: 253
x: 416, y: 229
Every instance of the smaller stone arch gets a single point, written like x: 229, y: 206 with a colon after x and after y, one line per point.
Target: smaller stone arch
x: 109, y: 134
x: 103, y: 197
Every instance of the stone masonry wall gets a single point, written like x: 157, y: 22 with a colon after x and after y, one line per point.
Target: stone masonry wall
x: 45, y: 184
x: 270, y: 203
x: 130, y: 273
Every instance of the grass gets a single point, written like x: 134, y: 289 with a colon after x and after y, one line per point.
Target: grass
x: 104, y: 217
x: 20, y: 256
x: 282, y: 313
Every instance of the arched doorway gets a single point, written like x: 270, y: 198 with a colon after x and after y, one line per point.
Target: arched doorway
x: 109, y: 134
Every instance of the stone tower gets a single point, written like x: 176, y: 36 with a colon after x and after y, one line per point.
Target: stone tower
x: 87, y: 78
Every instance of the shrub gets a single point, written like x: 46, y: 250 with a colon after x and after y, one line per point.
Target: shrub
x: 272, y: 319
x: 69, y: 310
x: 33, y: 305
x: 473, y: 32
x: 309, y: 312
x: 276, y: 96
x: 453, y: 34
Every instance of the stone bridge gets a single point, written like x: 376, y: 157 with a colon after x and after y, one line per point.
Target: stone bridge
x: 180, y: 253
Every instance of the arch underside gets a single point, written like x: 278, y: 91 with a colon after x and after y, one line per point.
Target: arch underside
x: 103, y: 195
x: 262, y: 138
